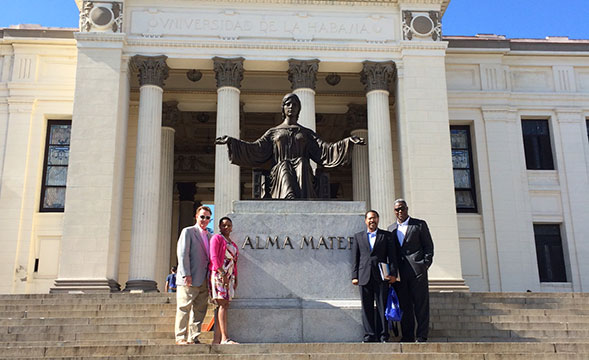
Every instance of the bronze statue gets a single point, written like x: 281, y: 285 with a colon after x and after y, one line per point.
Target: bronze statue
x: 290, y: 147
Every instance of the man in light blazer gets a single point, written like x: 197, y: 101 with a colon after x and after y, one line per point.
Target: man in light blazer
x: 191, y: 279
x: 371, y: 247
x: 415, y: 249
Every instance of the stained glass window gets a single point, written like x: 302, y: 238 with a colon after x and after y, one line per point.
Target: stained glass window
x: 57, y: 155
x: 464, y: 186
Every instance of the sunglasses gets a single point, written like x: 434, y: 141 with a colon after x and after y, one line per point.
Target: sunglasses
x: 400, y: 209
x: 202, y: 217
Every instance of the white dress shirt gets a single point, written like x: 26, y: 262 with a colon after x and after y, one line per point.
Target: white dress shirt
x: 371, y: 239
x: 402, y: 230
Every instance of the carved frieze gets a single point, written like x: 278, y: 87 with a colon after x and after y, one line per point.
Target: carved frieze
x: 421, y: 25
x: 101, y: 16
x: 152, y: 70
x: 194, y: 163
x: 170, y: 114
x: 357, y: 116
x: 377, y: 75
x: 228, y: 72
x: 302, y: 73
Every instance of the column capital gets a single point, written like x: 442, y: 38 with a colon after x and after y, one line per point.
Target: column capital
x: 152, y: 70
x: 170, y: 114
x: 228, y: 72
x: 377, y: 75
x: 302, y: 73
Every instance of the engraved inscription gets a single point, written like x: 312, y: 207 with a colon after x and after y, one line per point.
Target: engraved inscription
x: 306, y: 242
x: 260, y: 25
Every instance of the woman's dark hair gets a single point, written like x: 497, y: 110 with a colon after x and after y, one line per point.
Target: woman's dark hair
x: 224, y: 218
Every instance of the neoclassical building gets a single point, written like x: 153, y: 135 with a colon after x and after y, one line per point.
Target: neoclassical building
x: 107, y: 135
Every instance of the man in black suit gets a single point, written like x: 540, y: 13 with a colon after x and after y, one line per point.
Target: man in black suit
x: 415, y: 249
x: 371, y: 247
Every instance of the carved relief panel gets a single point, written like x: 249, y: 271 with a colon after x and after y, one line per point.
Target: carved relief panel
x: 421, y: 25
x: 101, y: 16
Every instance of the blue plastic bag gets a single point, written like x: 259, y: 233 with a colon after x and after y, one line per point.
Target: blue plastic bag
x: 393, y: 310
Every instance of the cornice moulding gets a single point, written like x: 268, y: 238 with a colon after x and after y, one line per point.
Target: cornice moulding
x: 100, y: 37
x: 152, y: 43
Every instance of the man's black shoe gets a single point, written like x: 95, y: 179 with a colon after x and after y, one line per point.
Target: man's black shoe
x: 421, y: 340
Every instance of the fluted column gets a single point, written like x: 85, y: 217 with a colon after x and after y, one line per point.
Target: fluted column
x: 228, y: 73
x: 152, y: 72
x: 360, y: 170
x: 302, y: 75
x: 356, y: 119
x: 169, y: 116
x: 376, y: 77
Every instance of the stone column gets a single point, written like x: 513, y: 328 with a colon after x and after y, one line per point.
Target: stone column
x: 360, y: 170
x: 356, y: 118
x: 152, y: 72
x: 169, y: 117
x: 302, y: 75
x: 174, y: 229
x: 229, y: 73
x: 377, y: 77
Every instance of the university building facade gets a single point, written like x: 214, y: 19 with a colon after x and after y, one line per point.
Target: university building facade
x: 107, y: 135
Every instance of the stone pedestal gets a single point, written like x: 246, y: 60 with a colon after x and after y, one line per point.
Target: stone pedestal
x: 294, y: 268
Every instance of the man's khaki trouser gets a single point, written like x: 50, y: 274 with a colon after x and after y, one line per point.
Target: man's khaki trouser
x: 191, y: 309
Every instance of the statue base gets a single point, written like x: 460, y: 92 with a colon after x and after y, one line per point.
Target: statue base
x: 294, y: 268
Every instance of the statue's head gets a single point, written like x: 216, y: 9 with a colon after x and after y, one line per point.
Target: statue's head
x: 293, y: 100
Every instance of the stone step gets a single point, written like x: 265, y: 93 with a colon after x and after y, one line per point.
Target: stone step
x: 80, y: 325
x: 107, y: 310
x: 168, y: 319
x: 507, y: 311
x: 511, y: 318
x: 88, y: 307
x: 90, y: 301
x: 510, y: 326
x: 481, y: 351
x: 346, y: 356
x: 311, y: 348
x: 82, y: 329
x: 71, y: 336
x: 486, y: 305
x: 78, y: 314
x: 509, y: 334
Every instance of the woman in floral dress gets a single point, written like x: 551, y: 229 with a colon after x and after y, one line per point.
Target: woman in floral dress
x: 223, y: 271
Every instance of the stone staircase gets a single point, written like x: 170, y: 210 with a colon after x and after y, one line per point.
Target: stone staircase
x: 465, y: 326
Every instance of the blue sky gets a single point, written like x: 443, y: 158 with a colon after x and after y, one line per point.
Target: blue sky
x: 512, y: 18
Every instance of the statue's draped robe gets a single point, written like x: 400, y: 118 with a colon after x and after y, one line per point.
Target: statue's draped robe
x: 290, y: 148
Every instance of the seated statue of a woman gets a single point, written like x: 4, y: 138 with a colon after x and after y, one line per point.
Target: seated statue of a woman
x: 290, y: 147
